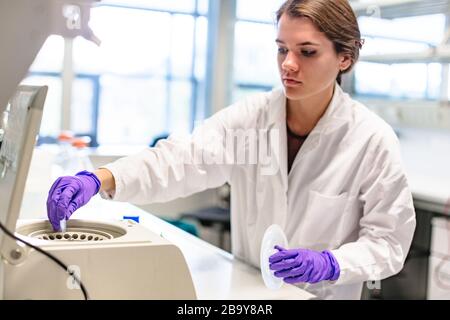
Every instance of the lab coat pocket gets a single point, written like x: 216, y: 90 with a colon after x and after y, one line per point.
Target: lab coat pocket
x: 322, y: 226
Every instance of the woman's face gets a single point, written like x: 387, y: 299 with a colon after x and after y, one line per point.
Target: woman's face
x: 307, y: 60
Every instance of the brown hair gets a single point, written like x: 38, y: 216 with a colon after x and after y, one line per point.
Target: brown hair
x: 335, y: 18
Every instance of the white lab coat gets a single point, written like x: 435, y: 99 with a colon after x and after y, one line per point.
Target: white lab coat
x: 346, y: 192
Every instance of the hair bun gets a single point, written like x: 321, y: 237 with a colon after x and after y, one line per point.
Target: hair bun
x: 360, y: 43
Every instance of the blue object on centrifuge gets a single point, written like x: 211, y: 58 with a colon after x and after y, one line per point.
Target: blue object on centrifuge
x: 134, y: 218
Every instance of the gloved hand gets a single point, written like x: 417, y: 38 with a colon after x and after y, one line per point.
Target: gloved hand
x: 303, y: 265
x: 69, y: 193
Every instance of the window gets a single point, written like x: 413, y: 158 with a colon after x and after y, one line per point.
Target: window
x: 46, y: 70
x: 83, y: 115
x: 147, y: 77
x: 51, y: 118
x: 415, y: 81
x: 403, y: 35
x: 185, y: 6
x: 258, y: 10
x: 255, y: 64
x: 50, y: 57
x: 428, y: 29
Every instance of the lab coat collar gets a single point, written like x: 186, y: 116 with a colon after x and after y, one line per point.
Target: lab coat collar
x: 336, y: 115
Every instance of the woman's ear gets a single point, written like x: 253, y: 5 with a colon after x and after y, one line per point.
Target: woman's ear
x: 344, y: 62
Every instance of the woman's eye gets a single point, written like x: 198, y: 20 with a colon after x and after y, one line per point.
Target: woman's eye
x: 308, y: 53
x: 282, y: 50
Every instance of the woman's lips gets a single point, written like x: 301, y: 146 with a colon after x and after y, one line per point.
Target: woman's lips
x: 291, y: 82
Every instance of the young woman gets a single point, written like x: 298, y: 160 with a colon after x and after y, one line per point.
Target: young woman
x: 335, y: 180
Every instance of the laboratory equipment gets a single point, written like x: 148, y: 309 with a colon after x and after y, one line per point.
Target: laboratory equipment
x: 114, y: 260
x: 106, y: 260
x: 63, y: 225
x: 273, y: 236
x: 73, y: 156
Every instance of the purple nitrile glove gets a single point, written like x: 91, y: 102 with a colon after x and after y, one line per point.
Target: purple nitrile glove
x: 68, y: 194
x: 303, y: 265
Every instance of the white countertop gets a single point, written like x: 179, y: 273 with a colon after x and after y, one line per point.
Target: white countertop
x: 426, y: 155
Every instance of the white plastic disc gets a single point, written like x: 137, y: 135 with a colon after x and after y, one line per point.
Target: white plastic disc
x: 274, y: 235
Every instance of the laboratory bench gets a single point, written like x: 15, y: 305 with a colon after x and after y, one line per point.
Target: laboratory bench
x: 216, y: 274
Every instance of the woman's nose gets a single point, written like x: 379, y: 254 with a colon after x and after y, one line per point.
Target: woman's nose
x: 289, y: 63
